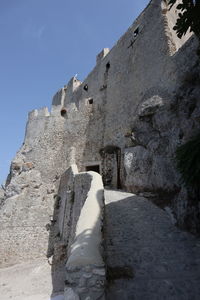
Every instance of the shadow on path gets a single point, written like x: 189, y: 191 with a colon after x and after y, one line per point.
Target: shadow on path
x: 147, y: 257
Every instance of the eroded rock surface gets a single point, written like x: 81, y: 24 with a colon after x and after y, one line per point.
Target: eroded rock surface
x: 147, y: 256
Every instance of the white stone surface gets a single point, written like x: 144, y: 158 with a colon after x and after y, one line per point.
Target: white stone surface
x: 27, y: 281
x: 85, y: 249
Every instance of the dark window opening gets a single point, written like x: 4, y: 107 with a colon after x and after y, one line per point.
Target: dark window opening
x: 85, y: 87
x: 63, y: 112
x: 95, y: 168
x: 107, y: 66
x: 136, y: 32
x: 90, y: 101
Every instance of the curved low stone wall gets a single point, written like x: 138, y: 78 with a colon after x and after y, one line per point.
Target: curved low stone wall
x: 85, y: 276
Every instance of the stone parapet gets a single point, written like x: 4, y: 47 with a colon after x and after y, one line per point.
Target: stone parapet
x: 85, y: 276
x: 38, y: 113
x: 102, y: 54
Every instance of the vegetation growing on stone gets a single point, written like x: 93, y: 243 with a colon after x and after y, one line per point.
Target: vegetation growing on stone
x: 188, y: 17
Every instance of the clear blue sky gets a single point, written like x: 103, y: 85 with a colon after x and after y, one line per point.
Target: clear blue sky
x: 43, y: 44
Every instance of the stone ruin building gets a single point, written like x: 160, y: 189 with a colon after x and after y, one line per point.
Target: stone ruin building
x: 125, y: 122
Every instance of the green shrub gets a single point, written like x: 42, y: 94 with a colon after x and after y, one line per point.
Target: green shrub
x: 188, y: 163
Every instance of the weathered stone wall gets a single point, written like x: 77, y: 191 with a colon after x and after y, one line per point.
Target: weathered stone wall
x: 44, y: 144
x: 134, y: 89
x: 66, y: 195
x: 75, y: 234
x: 85, y: 269
x: 28, y: 203
x: 128, y: 116
x: 72, y: 193
x: 124, y: 79
x: 24, y: 215
x: 162, y: 123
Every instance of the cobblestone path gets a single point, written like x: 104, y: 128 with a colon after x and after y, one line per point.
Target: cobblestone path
x: 148, y: 257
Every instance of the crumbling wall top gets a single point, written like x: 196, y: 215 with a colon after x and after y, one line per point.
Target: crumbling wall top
x: 102, y: 54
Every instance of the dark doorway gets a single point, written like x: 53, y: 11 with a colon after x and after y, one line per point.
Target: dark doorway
x: 95, y: 168
x: 111, y: 166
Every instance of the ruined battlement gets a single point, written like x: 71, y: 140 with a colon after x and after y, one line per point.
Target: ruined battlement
x: 39, y: 113
x: 76, y: 95
x: 102, y: 54
x: 140, y: 33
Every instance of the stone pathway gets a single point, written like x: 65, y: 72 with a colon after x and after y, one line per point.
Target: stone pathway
x: 27, y: 281
x: 148, y: 258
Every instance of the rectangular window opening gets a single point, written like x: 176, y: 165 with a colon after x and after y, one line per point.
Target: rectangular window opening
x: 95, y: 168
x: 90, y: 101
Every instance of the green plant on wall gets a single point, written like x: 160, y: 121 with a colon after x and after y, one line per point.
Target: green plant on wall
x: 188, y: 163
x: 188, y: 17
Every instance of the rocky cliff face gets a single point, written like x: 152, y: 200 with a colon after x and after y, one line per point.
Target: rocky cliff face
x: 160, y: 127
